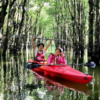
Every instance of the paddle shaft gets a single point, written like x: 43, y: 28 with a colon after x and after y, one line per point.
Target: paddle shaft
x: 63, y: 40
x: 31, y: 65
x: 89, y: 64
x: 57, y: 64
x: 53, y: 39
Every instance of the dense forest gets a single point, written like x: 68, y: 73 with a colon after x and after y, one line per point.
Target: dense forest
x: 76, y: 21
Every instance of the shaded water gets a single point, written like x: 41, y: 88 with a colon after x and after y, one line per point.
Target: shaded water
x: 18, y: 83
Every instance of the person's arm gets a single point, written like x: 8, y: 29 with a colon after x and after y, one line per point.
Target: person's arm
x: 48, y: 45
x: 34, y: 46
x: 49, y: 59
x: 62, y: 59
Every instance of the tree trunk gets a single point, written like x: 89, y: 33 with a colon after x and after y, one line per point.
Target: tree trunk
x: 36, y: 21
x: 57, y: 19
x: 8, y: 31
x: 18, y: 41
x: 91, y: 18
x: 97, y: 34
x: 3, y: 13
x: 80, y: 31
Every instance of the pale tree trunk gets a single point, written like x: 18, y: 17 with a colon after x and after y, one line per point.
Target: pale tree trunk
x: 18, y: 44
x: 36, y: 21
x: 57, y: 19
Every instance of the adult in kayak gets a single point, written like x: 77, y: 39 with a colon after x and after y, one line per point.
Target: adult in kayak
x: 57, y: 58
x: 40, y: 51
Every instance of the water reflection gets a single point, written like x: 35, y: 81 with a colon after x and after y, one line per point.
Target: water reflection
x: 58, y: 85
x: 19, y: 83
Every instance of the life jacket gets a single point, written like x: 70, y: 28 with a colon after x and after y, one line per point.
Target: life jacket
x: 39, y: 56
x: 55, y: 58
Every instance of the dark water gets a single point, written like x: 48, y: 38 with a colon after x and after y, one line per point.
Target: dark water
x: 19, y: 83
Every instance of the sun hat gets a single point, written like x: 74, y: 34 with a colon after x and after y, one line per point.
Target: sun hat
x: 60, y: 49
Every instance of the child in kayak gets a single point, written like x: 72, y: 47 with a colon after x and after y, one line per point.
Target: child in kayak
x: 56, y: 58
x: 40, y: 51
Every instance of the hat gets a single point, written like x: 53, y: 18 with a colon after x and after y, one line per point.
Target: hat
x: 60, y: 49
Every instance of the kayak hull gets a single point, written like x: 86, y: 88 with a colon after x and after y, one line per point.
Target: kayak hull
x: 65, y: 72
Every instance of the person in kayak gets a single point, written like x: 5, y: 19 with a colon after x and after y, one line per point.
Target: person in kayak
x: 56, y: 58
x: 40, y: 51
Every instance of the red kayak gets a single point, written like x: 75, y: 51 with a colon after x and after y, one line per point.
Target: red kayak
x: 62, y: 71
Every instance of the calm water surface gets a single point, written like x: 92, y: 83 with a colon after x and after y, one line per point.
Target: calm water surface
x: 19, y: 83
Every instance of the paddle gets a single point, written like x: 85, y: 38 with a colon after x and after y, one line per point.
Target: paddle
x: 16, y: 36
x: 53, y: 39
x: 31, y: 65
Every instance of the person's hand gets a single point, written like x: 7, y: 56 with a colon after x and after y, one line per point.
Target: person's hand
x: 33, y: 38
x: 62, y: 54
x: 52, y: 64
x: 50, y: 40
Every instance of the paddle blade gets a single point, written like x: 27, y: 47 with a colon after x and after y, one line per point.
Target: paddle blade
x: 32, y: 65
x: 28, y: 65
x: 90, y: 64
